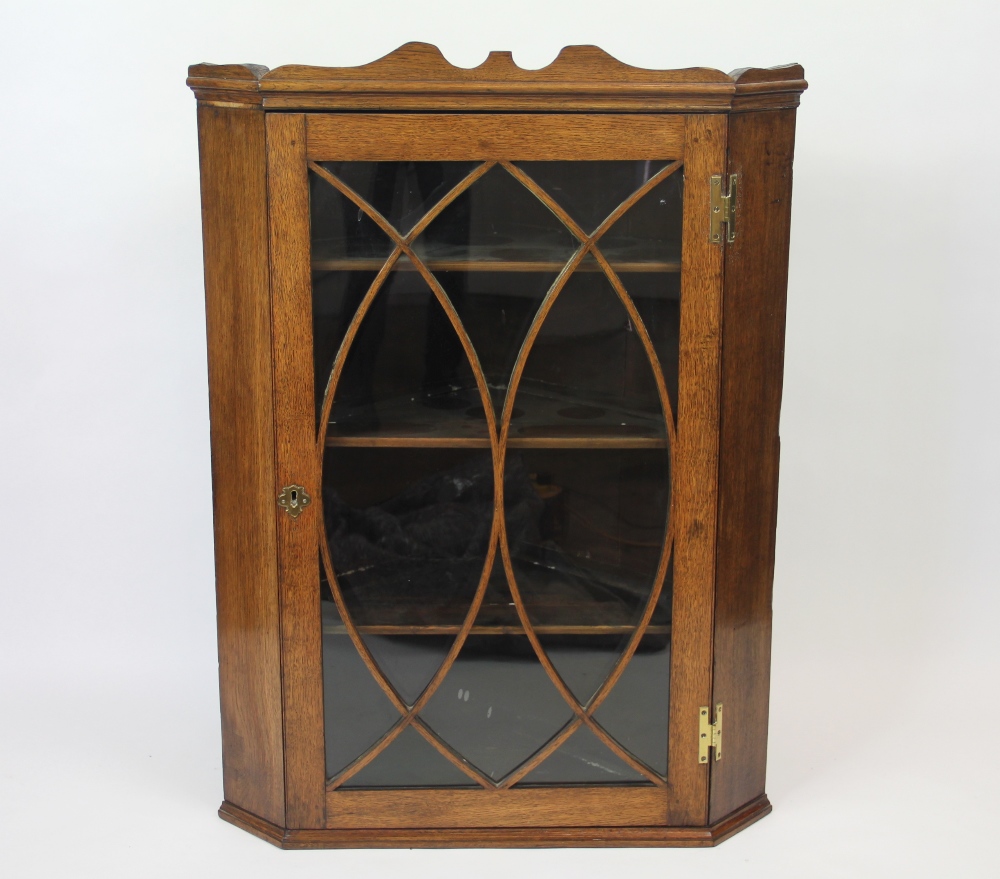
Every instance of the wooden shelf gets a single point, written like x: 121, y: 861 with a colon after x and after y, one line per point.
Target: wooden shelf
x: 543, y: 420
x: 568, y: 605
x: 462, y: 442
x: 502, y: 257
x: 493, y: 265
x: 341, y: 629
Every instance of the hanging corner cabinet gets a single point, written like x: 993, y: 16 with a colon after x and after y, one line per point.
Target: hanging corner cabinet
x: 495, y: 363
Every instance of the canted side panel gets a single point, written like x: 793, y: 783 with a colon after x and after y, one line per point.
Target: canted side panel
x: 756, y: 276
x: 296, y: 464
x: 234, y: 218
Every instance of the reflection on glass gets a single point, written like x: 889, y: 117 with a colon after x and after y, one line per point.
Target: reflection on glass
x: 636, y: 710
x: 349, y: 690
x: 497, y: 706
x: 583, y: 759
x: 588, y: 373
x: 572, y: 185
x: 410, y: 761
x: 405, y: 367
x: 336, y: 297
x: 651, y: 228
x: 409, y: 493
x: 657, y: 298
x: 408, y: 531
x: 497, y: 311
x: 402, y: 192
x: 498, y: 221
x: 585, y: 560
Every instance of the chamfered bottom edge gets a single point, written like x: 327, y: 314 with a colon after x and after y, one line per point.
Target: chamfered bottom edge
x: 501, y: 837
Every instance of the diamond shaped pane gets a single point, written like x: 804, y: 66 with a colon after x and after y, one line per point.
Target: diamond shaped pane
x: 590, y: 191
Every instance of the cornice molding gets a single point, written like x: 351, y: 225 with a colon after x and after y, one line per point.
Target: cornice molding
x: 418, y: 77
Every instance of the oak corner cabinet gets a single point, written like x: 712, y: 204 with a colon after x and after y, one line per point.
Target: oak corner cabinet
x: 495, y: 362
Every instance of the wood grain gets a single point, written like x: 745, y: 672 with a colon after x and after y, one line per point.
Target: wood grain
x: 415, y: 137
x: 756, y: 277
x: 502, y: 837
x: 696, y: 473
x: 238, y: 312
x: 576, y: 806
x: 296, y: 463
x: 757, y: 89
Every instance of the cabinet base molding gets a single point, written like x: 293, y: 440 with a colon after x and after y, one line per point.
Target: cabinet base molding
x: 512, y: 837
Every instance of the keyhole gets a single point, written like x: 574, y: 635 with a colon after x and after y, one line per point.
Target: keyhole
x: 295, y: 497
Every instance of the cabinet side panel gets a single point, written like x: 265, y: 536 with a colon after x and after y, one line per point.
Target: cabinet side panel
x: 753, y: 331
x: 234, y: 220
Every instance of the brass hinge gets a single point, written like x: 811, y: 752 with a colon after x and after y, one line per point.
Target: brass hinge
x: 723, y: 209
x: 709, y: 734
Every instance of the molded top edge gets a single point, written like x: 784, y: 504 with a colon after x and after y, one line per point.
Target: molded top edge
x: 424, y: 62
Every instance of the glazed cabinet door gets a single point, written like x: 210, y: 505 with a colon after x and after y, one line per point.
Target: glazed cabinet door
x: 496, y: 345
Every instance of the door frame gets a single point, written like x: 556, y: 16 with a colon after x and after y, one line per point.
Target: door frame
x: 294, y: 139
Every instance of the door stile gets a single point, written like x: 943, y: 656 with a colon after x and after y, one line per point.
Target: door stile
x: 296, y: 464
x: 696, y: 470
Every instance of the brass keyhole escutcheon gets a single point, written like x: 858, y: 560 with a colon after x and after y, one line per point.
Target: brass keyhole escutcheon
x: 293, y: 500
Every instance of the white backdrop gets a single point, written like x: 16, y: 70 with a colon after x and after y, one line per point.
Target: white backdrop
x: 886, y: 598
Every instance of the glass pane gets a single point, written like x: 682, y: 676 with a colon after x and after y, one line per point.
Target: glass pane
x: 408, y: 531
x: 590, y: 191
x: 496, y: 223
x: 497, y: 309
x: 402, y: 192
x: 336, y: 297
x: 349, y: 690
x: 406, y: 373
x: 588, y: 373
x: 583, y: 759
x: 497, y: 706
x: 410, y: 761
x: 651, y: 228
x: 585, y: 551
x: 657, y: 298
x: 408, y: 474
x: 342, y: 230
x: 636, y: 711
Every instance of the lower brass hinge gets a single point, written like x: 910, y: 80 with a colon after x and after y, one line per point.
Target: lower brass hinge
x: 709, y: 734
x: 723, y: 209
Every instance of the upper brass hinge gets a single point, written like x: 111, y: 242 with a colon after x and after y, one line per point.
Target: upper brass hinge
x: 709, y: 734
x: 723, y: 209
